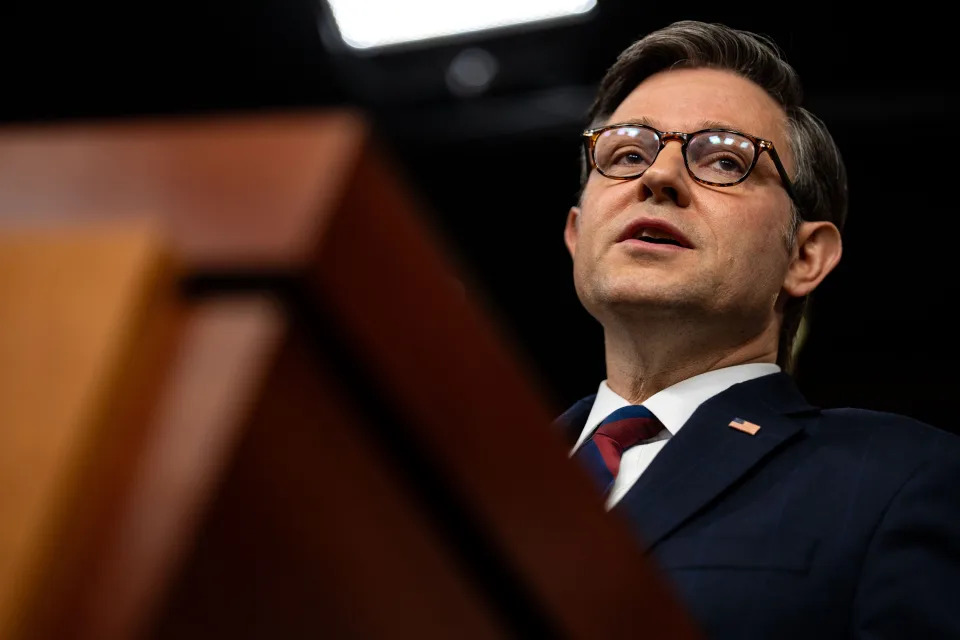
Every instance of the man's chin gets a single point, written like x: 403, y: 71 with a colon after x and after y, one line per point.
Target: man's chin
x: 630, y: 292
x: 643, y: 304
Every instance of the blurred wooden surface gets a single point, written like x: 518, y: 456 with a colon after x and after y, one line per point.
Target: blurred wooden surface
x: 85, y: 319
x: 381, y: 274
x: 315, y: 533
x: 344, y: 445
x: 231, y: 191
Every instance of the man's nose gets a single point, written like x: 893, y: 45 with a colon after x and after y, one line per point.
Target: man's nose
x: 667, y: 179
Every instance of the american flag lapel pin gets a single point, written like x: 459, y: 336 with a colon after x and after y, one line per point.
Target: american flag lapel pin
x: 742, y: 425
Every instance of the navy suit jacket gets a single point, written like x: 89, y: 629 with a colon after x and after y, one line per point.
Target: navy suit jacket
x: 825, y: 524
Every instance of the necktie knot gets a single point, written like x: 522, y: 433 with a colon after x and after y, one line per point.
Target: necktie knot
x: 622, y: 429
x: 628, y: 426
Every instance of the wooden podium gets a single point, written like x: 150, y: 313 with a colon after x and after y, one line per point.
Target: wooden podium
x: 243, y: 395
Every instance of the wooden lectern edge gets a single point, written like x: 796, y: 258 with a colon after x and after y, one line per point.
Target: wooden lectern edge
x: 73, y: 158
x: 312, y: 523
x: 537, y: 538
x: 371, y: 164
x: 223, y: 356
x: 129, y: 500
x: 347, y: 132
x: 450, y: 398
x: 51, y: 569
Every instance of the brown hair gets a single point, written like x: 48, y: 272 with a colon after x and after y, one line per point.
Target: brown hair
x: 820, y: 183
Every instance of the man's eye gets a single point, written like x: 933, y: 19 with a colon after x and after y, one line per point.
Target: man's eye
x: 724, y: 163
x: 630, y: 156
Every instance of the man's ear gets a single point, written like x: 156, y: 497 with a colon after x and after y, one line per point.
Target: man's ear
x: 572, y: 231
x: 816, y: 252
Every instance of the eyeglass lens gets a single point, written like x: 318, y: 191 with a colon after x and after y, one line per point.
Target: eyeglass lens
x: 713, y: 156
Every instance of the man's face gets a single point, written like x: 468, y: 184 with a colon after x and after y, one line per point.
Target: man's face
x: 735, y: 258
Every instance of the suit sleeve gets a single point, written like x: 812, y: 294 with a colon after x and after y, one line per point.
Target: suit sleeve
x: 910, y: 584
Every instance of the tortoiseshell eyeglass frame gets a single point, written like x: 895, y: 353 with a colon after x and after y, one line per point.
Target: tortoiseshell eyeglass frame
x: 590, y: 137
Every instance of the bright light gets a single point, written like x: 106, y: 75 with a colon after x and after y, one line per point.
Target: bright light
x: 365, y: 24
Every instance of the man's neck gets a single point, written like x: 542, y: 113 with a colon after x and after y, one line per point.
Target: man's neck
x: 643, y: 361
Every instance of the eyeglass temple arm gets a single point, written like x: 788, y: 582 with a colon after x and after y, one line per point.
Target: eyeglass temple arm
x: 589, y: 139
x: 787, y: 184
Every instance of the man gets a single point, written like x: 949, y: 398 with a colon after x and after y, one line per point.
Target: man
x: 711, y: 208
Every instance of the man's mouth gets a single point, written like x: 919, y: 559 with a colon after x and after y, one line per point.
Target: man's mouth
x: 653, y: 231
x: 656, y: 236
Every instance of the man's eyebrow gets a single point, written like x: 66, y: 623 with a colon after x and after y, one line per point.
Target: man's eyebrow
x: 702, y: 124
x: 715, y: 124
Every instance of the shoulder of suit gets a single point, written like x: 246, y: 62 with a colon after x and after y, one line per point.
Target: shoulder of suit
x: 889, y: 424
x: 904, y: 440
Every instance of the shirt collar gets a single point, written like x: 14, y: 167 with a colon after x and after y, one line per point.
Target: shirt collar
x: 674, y: 405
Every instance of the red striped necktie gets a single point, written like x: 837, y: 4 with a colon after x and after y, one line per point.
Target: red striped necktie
x: 622, y: 429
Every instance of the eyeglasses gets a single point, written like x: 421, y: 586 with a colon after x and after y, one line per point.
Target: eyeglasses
x: 716, y: 157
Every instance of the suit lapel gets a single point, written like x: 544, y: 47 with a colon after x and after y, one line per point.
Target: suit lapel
x: 707, y: 456
x: 571, y: 423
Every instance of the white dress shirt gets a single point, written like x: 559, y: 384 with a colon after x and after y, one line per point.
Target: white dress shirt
x: 673, y: 406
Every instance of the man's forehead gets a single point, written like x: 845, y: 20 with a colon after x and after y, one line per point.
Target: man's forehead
x: 663, y: 125
x: 692, y: 99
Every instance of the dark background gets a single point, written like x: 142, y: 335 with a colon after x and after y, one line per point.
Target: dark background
x: 884, y: 82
